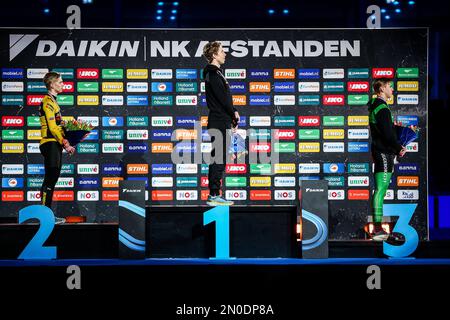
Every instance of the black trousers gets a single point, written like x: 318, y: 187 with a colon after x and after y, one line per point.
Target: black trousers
x: 217, y: 167
x: 52, y: 153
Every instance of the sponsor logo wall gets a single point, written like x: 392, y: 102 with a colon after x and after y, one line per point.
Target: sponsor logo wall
x: 298, y: 99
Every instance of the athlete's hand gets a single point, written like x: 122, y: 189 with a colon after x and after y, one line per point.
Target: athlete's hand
x: 70, y: 150
x: 236, y: 115
x: 402, y: 152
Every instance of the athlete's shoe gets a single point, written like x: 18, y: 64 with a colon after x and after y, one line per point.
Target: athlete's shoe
x: 59, y: 220
x: 376, y: 232
x: 218, y: 201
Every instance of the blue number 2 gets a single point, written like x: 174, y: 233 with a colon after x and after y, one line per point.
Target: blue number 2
x: 221, y: 215
x: 404, y: 213
x: 35, y: 248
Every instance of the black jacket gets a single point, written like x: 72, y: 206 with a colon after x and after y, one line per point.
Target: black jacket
x: 384, y: 137
x: 218, y: 98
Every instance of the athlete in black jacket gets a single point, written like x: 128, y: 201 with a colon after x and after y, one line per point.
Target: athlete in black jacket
x: 385, y: 148
x: 222, y: 117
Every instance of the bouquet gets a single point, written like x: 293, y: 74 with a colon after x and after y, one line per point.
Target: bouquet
x: 406, y: 135
x: 76, y: 131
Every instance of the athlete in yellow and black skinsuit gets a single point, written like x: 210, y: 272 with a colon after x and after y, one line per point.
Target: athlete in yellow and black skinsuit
x: 51, y: 145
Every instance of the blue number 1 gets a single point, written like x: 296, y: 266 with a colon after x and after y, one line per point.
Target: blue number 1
x: 35, y: 248
x: 404, y: 213
x: 221, y: 215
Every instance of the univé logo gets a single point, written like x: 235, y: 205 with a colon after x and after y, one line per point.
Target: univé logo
x: 87, y: 169
x: 186, y: 100
x: 12, y: 121
x: 235, y: 73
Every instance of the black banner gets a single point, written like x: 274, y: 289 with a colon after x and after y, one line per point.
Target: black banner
x: 301, y: 93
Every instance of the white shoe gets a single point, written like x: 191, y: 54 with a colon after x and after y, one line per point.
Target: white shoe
x: 59, y: 220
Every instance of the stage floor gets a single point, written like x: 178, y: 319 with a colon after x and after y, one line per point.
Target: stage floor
x: 240, y: 261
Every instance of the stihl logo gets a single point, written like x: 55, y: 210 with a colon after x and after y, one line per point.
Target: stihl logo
x: 309, y: 121
x: 284, y: 73
x: 285, y: 134
x: 334, y: 100
x: 259, y: 86
x: 87, y: 73
x: 34, y: 100
x: 358, y: 86
x: 162, y: 147
x: 137, y: 169
x: 12, y: 121
x: 408, y: 181
x: 382, y: 73
x: 111, y: 182
x: 237, y: 169
x: 260, y: 147
x: 239, y: 100
x: 68, y: 87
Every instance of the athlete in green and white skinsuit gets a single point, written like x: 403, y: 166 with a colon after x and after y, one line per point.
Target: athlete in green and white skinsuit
x: 384, y: 149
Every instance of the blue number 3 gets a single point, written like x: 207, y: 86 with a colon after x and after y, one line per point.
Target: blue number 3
x: 404, y: 213
x: 35, y: 248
